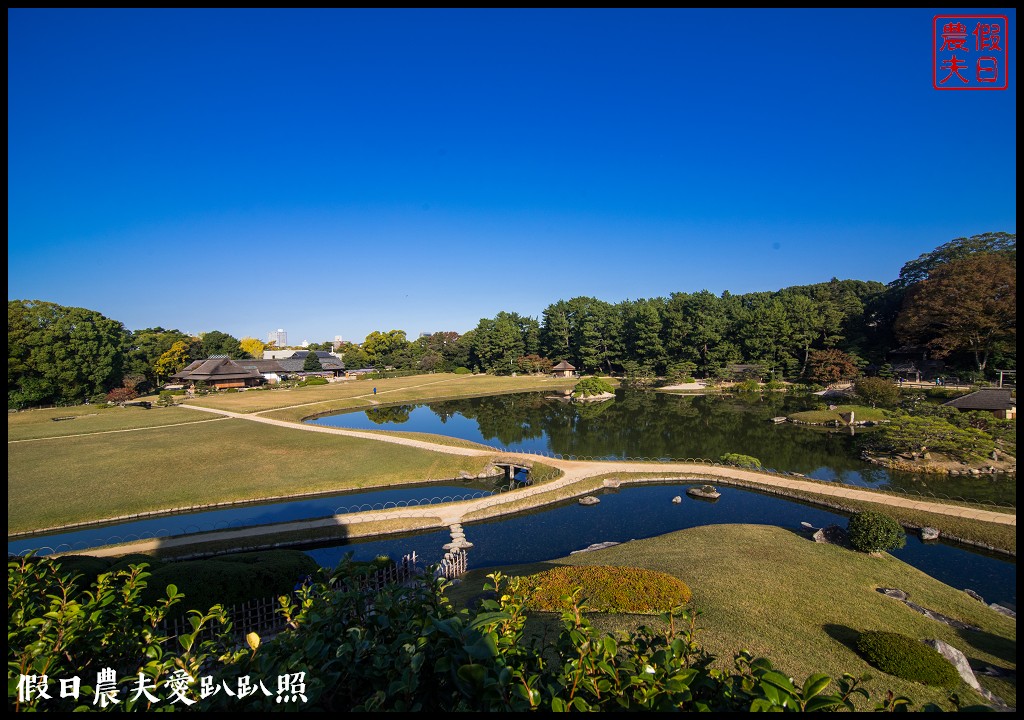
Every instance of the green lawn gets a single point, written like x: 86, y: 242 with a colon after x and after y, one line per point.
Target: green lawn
x: 32, y: 424
x: 359, y: 393
x: 775, y: 593
x: 87, y: 478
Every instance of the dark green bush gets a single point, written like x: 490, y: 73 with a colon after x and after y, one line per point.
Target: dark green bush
x: 747, y: 386
x: 608, y: 588
x: 312, y: 381
x: 907, y: 658
x: 871, y: 531
x: 462, y: 371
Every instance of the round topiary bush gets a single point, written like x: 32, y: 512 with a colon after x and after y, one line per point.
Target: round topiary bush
x: 609, y: 588
x: 871, y: 531
x: 907, y: 658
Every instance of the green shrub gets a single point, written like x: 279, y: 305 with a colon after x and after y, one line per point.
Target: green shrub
x: 877, y: 391
x: 774, y: 385
x: 312, y: 381
x: 747, y: 386
x: 747, y: 461
x: 871, y: 531
x: 607, y: 588
x: 907, y: 658
x: 592, y: 386
x: 462, y: 371
x: 166, y: 398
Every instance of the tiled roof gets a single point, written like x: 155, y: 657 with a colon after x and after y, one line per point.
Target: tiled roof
x: 986, y: 399
x: 221, y: 368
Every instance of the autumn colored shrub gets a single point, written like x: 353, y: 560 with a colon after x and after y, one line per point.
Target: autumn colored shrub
x: 121, y: 395
x: 608, y: 589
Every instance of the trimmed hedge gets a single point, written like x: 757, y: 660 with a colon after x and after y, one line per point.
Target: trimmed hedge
x: 907, y: 658
x: 607, y: 588
x: 871, y: 531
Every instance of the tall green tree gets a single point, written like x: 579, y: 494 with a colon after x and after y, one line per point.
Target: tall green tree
x: 216, y: 342
x: 61, y: 355
x: 382, y: 347
x: 311, y: 363
x: 642, y: 332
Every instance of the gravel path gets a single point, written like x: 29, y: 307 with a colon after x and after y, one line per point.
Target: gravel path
x: 574, y: 471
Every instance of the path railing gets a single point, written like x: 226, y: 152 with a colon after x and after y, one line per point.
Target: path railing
x: 263, y: 615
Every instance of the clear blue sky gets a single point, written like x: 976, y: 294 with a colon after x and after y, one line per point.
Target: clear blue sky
x: 341, y: 171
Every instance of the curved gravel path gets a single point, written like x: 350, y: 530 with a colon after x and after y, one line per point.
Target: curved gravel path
x: 573, y: 472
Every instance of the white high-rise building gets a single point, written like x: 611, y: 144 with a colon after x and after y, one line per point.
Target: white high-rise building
x: 337, y: 341
x: 280, y: 338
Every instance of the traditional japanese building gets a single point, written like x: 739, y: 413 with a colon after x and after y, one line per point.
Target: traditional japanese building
x: 998, y: 401
x: 220, y: 372
x: 563, y: 369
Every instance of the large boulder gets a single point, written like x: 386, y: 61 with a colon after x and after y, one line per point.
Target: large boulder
x: 589, y: 500
x: 832, y: 535
x: 958, y: 659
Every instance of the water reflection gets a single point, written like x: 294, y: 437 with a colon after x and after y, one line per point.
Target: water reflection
x: 255, y: 514
x: 659, y: 425
x: 645, y: 511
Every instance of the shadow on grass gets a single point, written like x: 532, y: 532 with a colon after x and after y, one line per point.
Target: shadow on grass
x: 844, y: 635
x: 1001, y: 647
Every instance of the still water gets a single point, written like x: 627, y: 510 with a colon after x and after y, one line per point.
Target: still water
x: 660, y: 425
x: 645, y: 511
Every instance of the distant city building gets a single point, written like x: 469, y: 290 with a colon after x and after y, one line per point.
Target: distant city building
x: 280, y: 338
x: 305, y: 343
x: 425, y: 334
x: 337, y: 341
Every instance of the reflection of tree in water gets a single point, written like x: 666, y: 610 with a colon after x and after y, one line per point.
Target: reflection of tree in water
x: 590, y: 410
x: 660, y: 425
x: 390, y: 414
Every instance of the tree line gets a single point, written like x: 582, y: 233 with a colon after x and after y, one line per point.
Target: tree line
x: 957, y: 302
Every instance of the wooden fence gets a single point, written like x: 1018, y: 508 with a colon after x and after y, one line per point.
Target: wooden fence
x: 262, y: 616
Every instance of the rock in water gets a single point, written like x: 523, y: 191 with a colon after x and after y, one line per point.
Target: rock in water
x: 677, y: 499
x: 929, y: 533
x: 589, y: 500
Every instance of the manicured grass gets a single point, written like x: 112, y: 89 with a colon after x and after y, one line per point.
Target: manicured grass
x: 359, y: 393
x: 31, y: 424
x: 92, y: 477
x: 773, y: 592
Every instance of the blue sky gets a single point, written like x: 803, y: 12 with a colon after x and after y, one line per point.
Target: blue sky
x: 341, y: 171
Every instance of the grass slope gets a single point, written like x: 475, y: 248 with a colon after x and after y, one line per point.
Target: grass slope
x: 773, y: 592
